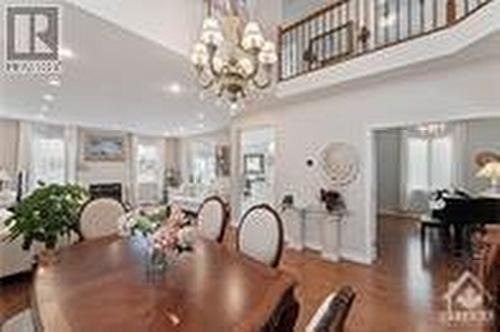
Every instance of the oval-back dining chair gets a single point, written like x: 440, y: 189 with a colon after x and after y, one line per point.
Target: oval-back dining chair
x: 260, y: 234
x: 212, y: 218
x: 99, y: 217
x: 333, y: 312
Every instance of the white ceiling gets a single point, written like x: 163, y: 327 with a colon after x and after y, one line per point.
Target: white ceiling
x: 116, y: 79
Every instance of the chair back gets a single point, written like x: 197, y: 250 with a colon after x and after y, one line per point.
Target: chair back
x: 260, y: 234
x: 99, y: 217
x: 212, y: 218
x: 332, y: 314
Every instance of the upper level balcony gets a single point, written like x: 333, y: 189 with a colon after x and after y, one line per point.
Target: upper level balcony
x: 347, y: 29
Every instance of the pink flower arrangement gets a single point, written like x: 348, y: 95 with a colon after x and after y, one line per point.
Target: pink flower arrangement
x: 165, y: 238
x: 175, y: 235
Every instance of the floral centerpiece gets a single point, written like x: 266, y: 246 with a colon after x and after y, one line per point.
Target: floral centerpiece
x: 143, y: 220
x: 168, y: 231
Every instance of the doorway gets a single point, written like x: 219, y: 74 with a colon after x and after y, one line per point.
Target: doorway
x: 257, y: 167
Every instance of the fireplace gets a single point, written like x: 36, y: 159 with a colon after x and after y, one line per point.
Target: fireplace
x: 106, y: 190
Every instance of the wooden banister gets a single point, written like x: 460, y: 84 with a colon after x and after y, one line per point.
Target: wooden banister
x: 346, y: 29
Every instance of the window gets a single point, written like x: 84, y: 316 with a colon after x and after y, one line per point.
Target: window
x: 48, y: 155
x: 148, y: 164
x: 429, y: 164
x: 202, y: 162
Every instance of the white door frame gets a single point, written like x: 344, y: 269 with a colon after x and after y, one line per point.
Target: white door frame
x: 236, y: 199
x: 371, y: 167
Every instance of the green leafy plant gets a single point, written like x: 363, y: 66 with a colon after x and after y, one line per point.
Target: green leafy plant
x: 46, y: 215
x: 148, y: 223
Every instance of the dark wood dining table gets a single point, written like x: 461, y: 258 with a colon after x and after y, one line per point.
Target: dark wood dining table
x: 103, y: 285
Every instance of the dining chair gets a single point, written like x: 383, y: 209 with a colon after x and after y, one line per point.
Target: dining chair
x: 99, y: 218
x: 260, y: 234
x: 212, y: 218
x: 332, y: 314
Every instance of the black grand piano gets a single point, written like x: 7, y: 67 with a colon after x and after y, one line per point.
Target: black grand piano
x: 462, y: 213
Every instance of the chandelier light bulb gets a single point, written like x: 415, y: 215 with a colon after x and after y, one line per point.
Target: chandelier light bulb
x: 218, y: 63
x: 252, y: 37
x: 199, y: 57
x: 211, y: 33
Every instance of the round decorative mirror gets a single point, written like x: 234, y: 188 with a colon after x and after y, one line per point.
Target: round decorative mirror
x: 340, y: 163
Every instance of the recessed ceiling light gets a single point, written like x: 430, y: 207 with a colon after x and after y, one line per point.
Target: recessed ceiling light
x: 44, y: 108
x: 48, y: 97
x: 200, y: 125
x: 66, y: 53
x: 175, y: 88
x: 181, y: 129
x: 201, y: 116
x: 54, y: 82
x: 41, y: 116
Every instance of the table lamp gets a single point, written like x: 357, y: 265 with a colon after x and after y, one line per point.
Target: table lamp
x: 491, y: 171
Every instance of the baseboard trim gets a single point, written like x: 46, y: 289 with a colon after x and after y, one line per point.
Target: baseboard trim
x: 356, y: 256
x: 334, y: 258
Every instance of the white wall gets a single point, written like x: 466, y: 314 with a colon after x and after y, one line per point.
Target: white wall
x: 448, y: 91
x: 296, y: 9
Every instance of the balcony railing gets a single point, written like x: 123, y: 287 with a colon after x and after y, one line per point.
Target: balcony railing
x: 349, y: 28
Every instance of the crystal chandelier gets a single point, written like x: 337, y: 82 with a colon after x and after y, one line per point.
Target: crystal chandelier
x: 232, y: 61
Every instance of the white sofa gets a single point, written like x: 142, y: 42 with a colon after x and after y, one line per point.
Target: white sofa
x: 190, y: 196
x: 13, y: 259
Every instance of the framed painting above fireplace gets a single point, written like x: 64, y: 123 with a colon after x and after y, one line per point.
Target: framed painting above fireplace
x: 103, y: 147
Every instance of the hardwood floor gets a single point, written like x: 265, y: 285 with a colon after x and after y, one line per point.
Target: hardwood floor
x: 402, y: 291
x: 14, y: 295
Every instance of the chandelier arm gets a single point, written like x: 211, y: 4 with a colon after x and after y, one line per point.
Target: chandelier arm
x: 256, y: 66
x: 205, y: 84
x: 211, y: 66
x: 262, y: 85
x: 268, y: 80
x: 266, y: 83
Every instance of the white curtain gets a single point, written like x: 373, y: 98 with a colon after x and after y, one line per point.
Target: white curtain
x: 148, y: 169
x: 72, y: 142
x: 202, y: 162
x: 47, y: 153
x: 430, y: 162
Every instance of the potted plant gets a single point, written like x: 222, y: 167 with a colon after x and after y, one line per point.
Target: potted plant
x: 46, y: 215
x: 333, y: 201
